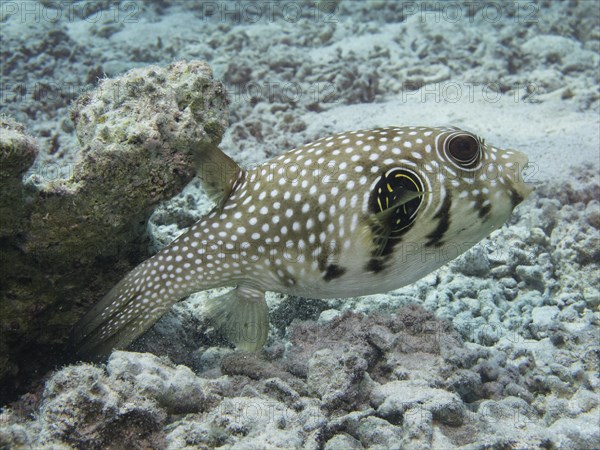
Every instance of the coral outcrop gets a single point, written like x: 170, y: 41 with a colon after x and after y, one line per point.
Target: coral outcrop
x: 65, y: 241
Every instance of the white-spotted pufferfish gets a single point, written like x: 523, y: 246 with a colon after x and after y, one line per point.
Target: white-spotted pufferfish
x: 352, y: 214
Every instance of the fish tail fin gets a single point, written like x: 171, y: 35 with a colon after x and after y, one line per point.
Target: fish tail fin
x: 243, y: 316
x: 146, y: 293
x: 128, y: 310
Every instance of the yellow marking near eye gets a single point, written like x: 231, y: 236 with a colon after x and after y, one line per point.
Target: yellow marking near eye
x: 390, y: 188
x: 398, y: 175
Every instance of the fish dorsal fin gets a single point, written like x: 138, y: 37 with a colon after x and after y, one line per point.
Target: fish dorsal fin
x: 382, y: 224
x: 217, y: 171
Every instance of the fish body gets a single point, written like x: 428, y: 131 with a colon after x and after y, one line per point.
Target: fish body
x: 351, y: 214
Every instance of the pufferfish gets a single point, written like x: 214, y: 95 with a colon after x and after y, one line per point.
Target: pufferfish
x: 352, y: 214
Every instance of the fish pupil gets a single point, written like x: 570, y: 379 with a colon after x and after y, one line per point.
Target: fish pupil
x: 464, y: 149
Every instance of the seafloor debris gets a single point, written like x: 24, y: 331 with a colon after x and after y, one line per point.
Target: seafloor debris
x: 399, y: 380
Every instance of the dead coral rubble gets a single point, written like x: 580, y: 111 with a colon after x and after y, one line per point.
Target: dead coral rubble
x: 400, y: 380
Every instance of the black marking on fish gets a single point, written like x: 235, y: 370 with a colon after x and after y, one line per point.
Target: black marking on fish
x: 328, y: 256
x: 393, y: 209
x: 484, y: 211
x: 375, y: 265
x: 515, y: 198
x: 334, y: 271
x: 443, y: 216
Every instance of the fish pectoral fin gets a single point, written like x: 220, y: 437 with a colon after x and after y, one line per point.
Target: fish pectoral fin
x: 217, y: 171
x: 242, y: 314
x: 380, y: 225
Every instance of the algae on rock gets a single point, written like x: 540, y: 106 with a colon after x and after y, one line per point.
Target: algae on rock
x: 17, y: 153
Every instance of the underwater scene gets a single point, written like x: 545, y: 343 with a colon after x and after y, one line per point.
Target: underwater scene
x: 299, y: 224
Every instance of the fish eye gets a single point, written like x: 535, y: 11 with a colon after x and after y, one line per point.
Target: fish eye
x: 464, y: 149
